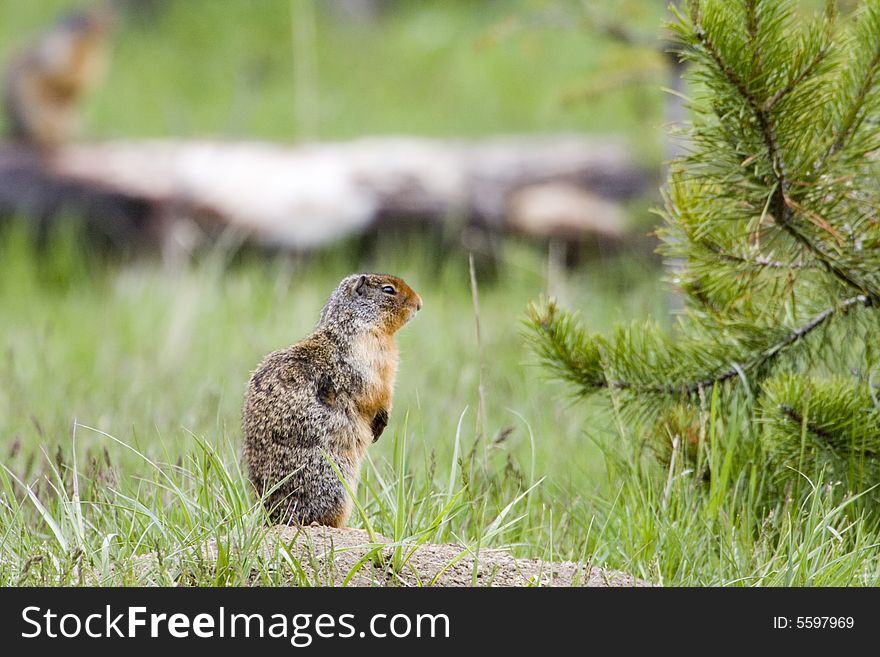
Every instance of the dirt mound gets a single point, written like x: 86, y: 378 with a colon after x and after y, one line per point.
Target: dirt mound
x: 324, y: 556
x: 334, y: 557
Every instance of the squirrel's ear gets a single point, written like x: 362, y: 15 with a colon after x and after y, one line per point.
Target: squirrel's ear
x: 359, y: 287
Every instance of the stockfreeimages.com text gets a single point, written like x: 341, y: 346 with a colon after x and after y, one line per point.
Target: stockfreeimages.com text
x: 299, y: 629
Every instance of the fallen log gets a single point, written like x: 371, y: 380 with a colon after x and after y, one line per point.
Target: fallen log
x: 307, y: 196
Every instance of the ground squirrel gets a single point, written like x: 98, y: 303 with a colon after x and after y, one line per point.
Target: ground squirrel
x: 329, y: 392
x: 46, y: 81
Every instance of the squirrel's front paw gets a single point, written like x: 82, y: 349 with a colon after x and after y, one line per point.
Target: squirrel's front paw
x: 380, y: 421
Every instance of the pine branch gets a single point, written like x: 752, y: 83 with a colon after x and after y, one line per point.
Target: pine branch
x: 558, y: 333
x: 564, y: 346
x: 752, y: 29
x: 798, y: 418
x: 855, y: 114
x: 851, y: 121
x: 758, y: 262
x: 828, y: 428
x: 843, y: 307
x: 805, y: 73
x: 783, y: 209
x: 735, y: 369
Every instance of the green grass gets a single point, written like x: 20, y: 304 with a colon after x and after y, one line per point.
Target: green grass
x: 121, y: 383
x: 151, y: 365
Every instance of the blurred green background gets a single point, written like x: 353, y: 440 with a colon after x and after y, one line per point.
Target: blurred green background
x: 156, y: 356
x: 229, y: 69
x: 296, y: 69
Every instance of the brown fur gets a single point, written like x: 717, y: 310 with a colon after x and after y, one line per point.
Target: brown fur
x: 46, y: 81
x: 329, y: 393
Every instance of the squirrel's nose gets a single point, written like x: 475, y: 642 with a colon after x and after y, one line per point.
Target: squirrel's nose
x: 418, y: 302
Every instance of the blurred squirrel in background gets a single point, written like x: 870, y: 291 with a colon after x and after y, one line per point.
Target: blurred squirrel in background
x: 47, y: 79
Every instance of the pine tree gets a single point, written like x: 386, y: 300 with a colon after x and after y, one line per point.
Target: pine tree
x: 773, y: 219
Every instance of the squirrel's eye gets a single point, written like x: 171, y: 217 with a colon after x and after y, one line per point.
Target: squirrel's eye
x: 387, y: 289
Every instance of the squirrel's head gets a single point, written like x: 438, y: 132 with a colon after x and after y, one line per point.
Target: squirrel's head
x: 371, y: 301
x: 97, y: 22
